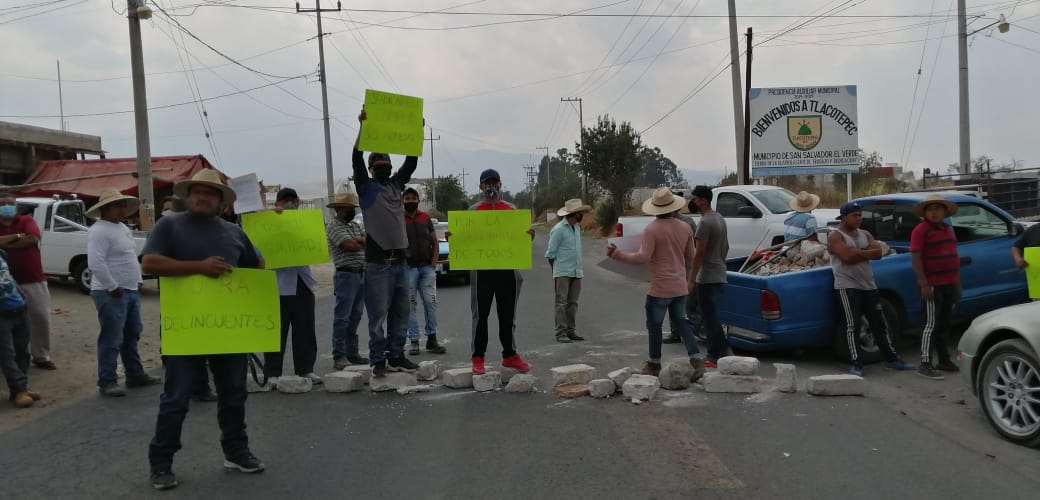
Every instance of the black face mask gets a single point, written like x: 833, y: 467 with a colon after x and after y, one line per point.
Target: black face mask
x: 411, y: 206
x: 694, y: 208
x: 579, y: 216
x: 382, y: 172
x: 348, y: 215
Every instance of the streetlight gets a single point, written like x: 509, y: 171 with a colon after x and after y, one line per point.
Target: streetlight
x: 135, y: 11
x: 962, y: 56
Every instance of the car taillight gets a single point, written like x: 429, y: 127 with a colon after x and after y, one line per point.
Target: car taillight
x: 619, y: 230
x: 770, y: 305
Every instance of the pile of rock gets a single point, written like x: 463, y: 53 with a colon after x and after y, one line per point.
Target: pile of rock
x: 800, y: 256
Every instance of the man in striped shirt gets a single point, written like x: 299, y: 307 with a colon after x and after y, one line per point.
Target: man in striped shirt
x: 933, y: 250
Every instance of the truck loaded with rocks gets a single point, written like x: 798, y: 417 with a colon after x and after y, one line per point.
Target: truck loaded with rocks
x: 783, y: 298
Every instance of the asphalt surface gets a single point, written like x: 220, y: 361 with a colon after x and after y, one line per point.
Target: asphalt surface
x: 908, y: 438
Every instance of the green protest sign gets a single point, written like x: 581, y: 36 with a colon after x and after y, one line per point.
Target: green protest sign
x: 394, y: 124
x: 290, y: 238
x: 490, y: 239
x: 235, y: 313
x: 1032, y: 256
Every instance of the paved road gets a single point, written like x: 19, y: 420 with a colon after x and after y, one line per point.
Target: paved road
x: 909, y: 438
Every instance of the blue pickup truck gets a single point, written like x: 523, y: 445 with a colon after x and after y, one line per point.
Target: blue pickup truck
x: 798, y: 309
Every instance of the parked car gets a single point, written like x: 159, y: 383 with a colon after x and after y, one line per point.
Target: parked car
x: 63, y: 237
x: 999, y: 357
x: 754, y: 217
x: 798, y: 309
x: 444, y: 270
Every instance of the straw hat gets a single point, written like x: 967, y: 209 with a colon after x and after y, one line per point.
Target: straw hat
x: 951, y: 207
x: 110, y: 195
x: 804, y: 202
x: 206, y: 177
x: 344, y: 200
x: 663, y: 202
x: 573, y: 206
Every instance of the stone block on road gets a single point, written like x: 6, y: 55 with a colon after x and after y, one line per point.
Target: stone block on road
x: 620, y: 376
x: 836, y: 385
x: 675, y: 376
x: 487, y: 382
x: 738, y: 365
x: 521, y: 383
x: 717, y: 382
x: 602, y: 388
x: 640, y: 387
x: 508, y: 374
x: 428, y: 370
x: 786, y: 377
x: 252, y: 386
x: 342, y: 381
x: 291, y: 384
x: 570, y: 390
x: 457, y: 378
x: 392, y: 381
x: 415, y: 388
x: 364, y: 370
x: 572, y: 374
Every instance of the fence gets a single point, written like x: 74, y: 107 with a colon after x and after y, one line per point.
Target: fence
x: 1015, y: 191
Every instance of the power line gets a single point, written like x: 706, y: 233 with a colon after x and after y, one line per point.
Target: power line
x: 917, y: 84
x: 927, y: 87
x: 362, y: 42
x: 599, y: 78
x: 35, y: 14
x: 609, y: 51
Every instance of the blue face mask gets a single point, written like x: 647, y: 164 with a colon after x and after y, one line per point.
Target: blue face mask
x: 8, y: 211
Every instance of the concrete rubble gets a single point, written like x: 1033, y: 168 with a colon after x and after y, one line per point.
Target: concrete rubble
x: 411, y: 389
x: 676, y: 375
x: 291, y: 384
x: 570, y: 390
x: 640, y: 387
x: 786, y: 377
x: 521, y: 383
x: 738, y: 365
x: 836, y: 385
x: 602, y: 388
x: 343, y: 381
x: 487, y: 382
x: 392, y: 381
x: 428, y: 370
x: 620, y: 376
x: 572, y: 374
x: 457, y: 378
x: 717, y: 382
x: 364, y: 370
x: 508, y: 374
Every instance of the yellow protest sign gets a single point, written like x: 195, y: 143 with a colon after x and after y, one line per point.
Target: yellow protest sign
x: 490, y: 239
x: 1032, y: 256
x: 235, y: 313
x: 394, y: 124
x: 291, y: 238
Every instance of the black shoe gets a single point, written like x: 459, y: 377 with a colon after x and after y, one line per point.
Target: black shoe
x: 45, y: 364
x: 379, y: 371
x: 433, y: 346
x: 340, y: 362
x: 671, y: 339
x: 926, y: 371
x: 244, y: 461
x: 207, y: 396
x: 163, y: 477
x: 142, y: 380
x: 357, y: 359
x: 112, y: 390
x: 563, y: 339
x: 575, y: 337
x: 401, y: 364
x: 414, y: 349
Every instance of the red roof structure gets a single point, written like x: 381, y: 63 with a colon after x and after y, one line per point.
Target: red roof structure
x: 86, y: 178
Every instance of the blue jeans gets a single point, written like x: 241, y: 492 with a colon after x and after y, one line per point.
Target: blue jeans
x: 656, y: 308
x: 229, y: 377
x: 707, y: 294
x: 422, y: 283
x: 349, y: 289
x: 386, y: 300
x: 121, y: 327
x: 14, y: 349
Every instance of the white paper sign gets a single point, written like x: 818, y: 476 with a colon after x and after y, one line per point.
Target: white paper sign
x: 804, y: 130
x: 247, y: 193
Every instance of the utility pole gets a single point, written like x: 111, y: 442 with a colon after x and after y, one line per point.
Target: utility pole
x: 581, y: 140
x: 734, y: 63
x: 330, y: 183
x: 61, y: 105
x: 548, y: 173
x: 135, y: 11
x: 433, y: 173
x: 962, y: 87
x: 532, y: 176
x: 463, y: 175
x: 745, y: 167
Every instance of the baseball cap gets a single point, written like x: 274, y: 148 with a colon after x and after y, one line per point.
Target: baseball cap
x: 702, y: 192
x: 849, y: 208
x: 286, y: 193
x: 490, y: 174
x: 377, y: 157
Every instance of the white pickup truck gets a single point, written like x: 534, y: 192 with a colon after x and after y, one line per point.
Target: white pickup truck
x: 754, y: 217
x: 63, y: 237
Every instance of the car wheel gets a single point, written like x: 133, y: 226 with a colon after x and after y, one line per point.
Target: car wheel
x: 1008, y: 385
x: 81, y: 275
x: 869, y: 350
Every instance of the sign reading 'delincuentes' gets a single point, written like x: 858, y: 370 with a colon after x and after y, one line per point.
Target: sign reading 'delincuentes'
x: 290, y: 238
x: 490, y: 239
x: 393, y: 124
x: 804, y: 130
x: 235, y: 313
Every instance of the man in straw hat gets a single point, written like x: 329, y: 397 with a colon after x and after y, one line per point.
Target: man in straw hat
x: 114, y: 286
x: 564, y: 254
x: 347, y: 246
x: 199, y: 242
x: 801, y: 223
x: 933, y: 252
x: 386, y: 247
x: 667, y: 247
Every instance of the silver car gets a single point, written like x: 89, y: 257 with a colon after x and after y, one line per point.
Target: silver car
x: 998, y: 359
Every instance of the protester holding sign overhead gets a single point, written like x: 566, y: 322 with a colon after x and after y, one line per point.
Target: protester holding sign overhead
x: 199, y: 242
x: 386, y: 244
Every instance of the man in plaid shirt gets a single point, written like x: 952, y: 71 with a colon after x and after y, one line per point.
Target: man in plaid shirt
x: 347, y: 246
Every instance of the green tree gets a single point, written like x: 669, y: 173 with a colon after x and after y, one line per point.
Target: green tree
x: 658, y: 169
x: 450, y: 195
x: 609, y: 156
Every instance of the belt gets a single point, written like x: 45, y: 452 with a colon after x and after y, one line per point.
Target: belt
x: 387, y: 256
x: 13, y: 313
x: 356, y: 270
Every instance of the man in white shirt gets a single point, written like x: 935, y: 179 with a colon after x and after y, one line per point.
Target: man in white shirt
x: 114, y: 286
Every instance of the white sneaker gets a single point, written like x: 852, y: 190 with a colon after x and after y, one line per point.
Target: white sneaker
x: 272, y: 382
x: 315, y: 379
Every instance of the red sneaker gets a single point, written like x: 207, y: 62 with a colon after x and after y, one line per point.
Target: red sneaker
x: 517, y: 363
x: 710, y: 364
x: 478, y: 365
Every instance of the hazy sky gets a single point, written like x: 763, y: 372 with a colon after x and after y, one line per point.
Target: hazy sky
x: 497, y: 87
